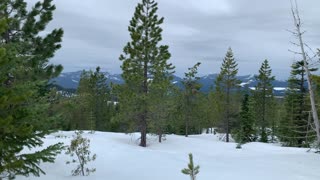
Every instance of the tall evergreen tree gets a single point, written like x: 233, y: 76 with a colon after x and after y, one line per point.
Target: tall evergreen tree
x: 263, y: 96
x: 24, y: 73
x: 226, y: 85
x: 191, y: 88
x: 295, y: 128
x: 143, y: 59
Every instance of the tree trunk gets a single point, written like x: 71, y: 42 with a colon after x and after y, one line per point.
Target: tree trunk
x: 187, y: 127
x: 228, y: 114
x: 160, y: 137
x: 143, y: 130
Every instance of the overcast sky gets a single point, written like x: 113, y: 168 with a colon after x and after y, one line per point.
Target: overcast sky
x: 195, y: 30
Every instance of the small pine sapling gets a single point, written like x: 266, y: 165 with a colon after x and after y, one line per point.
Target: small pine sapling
x: 79, y: 147
x: 191, y: 170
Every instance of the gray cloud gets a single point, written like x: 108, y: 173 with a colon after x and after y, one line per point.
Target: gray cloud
x: 202, y: 30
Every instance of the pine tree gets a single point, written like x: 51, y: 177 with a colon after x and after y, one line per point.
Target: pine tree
x: 82, y: 104
x: 191, y: 88
x: 226, y: 85
x: 263, y: 96
x: 24, y: 73
x: 145, y: 63
x: 92, y: 102
x: 161, y: 106
x: 215, y: 109
x: 295, y: 128
x: 246, y: 130
x: 192, y: 170
x: 102, y: 107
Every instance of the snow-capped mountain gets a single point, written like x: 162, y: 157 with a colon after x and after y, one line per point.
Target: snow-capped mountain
x: 70, y: 80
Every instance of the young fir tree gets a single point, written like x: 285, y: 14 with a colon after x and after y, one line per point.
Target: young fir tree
x: 92, y: 111
x: 204, y: 111
x: 192, y: 170
x: 215, y: 109
x: 246, y: 130
x: 295, y: 128
x: 191, y: 88
x: 143, y: 59
x: 226, y: 86
x: 161, y: 107
x: 24, y: 73
x: 263, y: 97
x: 102, y: 106
x: 82, y: 103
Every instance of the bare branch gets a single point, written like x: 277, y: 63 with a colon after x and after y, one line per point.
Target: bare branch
x: 294, y: 52
x: 292, y: 32
x: 294, y: 43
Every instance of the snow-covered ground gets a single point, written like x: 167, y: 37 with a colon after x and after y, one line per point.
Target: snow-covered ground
x: 119, y: 158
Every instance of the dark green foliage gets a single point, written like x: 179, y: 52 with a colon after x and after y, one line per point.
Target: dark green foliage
x: 145, y: 66
x: 246, y: 128
x: 226, y: 89
x: 263, y: 97
x: 79, y: 147
x: 295, y: 127
x: 161, y: 107
x: 189, y: 96
x: 192, y: 170
x: 316, y: 81
x: 24, y: 73
x: 91, y: 108
x: 214, y: 109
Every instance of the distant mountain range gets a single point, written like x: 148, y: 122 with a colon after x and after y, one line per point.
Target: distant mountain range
x: 70, y: 80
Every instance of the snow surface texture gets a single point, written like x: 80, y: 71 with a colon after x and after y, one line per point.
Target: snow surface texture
x: 120, y: 158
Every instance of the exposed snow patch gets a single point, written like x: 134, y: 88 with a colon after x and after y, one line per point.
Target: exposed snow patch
x: 280, y: 88
x: 120, y: 158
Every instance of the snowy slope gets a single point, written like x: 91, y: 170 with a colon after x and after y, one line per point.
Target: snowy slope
x: 119, y: 158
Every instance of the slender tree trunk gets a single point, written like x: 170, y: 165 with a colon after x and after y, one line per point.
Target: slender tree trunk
x: 160, y: 137
x: 263, y: 128
x: 143, y: 125
x: 187, y: 117
x: 297, y: 22
x: 187, y: 126
x: 228, y: 114
x: 143, y: 131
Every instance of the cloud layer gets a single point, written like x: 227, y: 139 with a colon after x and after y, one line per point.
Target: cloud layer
x: 195, y: 30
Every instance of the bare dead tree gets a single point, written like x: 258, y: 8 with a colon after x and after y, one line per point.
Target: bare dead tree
x: 306, y: 61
